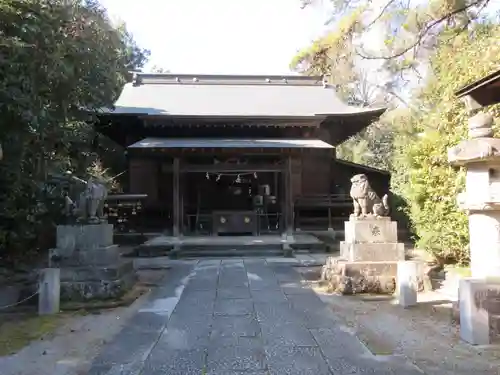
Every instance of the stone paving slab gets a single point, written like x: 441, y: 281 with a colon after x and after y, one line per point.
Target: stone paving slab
x: 247, y: 355
x: 164, y: 361
x: 288, y: 334
x: 233, y: 327
x: 266, y: 295
x: 234, y: 293
x: 292, y: 360
x: 237, y: 317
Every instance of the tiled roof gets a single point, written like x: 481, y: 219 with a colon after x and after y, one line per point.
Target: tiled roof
x: 231, y: 96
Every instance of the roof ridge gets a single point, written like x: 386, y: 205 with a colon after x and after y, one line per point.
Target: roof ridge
x: 140, y: 78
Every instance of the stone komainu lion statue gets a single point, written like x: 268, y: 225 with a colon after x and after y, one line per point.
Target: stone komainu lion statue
x: 366, y: 201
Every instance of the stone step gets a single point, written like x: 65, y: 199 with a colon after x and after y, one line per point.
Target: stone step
x: 230, y: 251
x: 311, y: 248
x: 129, y: 239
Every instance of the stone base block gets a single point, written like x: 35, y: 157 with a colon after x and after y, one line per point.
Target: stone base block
x: 371, y: 229
x: 372, y: 252
x: 479, y: 306
x: 360, y: 277
x: 97, y: 289
x: 364, y: 277
x: 85, y: 236
x: 407, y: 283
x: 95, y: 256
x: 96, y: 273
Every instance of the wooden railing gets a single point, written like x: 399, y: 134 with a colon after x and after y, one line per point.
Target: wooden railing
x: 329, y: 200
x: 327, y: 204
x: 124, y: 211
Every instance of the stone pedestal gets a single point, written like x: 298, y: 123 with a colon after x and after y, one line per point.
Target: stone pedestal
x: 484, y: 229
x: 91, y: 265
x: 90, y: 236
x: 371, y: 239
x: 407, y: 283
x: 480, y: 311
x: 369, y: 257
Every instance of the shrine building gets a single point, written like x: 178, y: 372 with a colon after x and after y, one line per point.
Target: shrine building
x: 237, y: 155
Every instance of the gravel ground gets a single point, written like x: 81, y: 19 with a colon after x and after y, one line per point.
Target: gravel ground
x: 423, y: 334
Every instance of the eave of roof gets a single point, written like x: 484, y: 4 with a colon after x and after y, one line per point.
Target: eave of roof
x: 483, y: 92
x: 470, y: 88
x: 194, y: 143
x: 362, y: 166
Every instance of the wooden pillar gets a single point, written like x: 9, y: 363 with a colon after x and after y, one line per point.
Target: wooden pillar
x: 288, y: 197
x: 176, y: 208
x: 176, y: 204
x: 331, y: 179
x: 287, y: 207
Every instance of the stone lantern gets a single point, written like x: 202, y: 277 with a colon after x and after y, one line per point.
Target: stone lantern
x: 481, y: 198
x: 479, y: 300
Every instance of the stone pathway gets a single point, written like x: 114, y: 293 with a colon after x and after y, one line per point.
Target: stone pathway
x: 229, y: 317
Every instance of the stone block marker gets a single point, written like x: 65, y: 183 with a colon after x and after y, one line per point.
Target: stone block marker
x: 49, y: 291
x: 91, y: 265
x: 407, y: 283
x: 479, y: 301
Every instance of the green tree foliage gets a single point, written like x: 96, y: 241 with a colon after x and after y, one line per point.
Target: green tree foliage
x: 456, y: 42
x: 438, y: 121
x: 61, y: 60
x: 373, y: 146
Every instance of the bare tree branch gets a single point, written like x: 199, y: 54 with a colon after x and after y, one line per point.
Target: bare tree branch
x: 381, y: 14
x: 426, y: 30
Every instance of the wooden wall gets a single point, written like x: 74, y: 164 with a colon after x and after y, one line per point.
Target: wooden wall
x: 143, y: 175
x: 316, y: 167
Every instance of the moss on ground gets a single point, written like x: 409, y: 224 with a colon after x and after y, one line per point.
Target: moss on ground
x: 17, y: 331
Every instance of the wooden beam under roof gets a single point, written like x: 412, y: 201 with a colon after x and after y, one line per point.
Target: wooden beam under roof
x: 481, y: 93
x: 196, y: 122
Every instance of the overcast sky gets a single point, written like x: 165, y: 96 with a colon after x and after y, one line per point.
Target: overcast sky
x: 221, y: 36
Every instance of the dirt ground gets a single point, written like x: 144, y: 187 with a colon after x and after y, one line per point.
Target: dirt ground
x: 78, y: 338
x: 423, y: 334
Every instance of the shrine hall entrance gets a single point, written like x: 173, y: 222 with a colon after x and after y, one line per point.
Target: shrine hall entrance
x: 227, y: 187
x: 232, y: 203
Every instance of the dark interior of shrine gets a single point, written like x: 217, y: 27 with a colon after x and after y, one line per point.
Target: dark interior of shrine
x: 209, y: 193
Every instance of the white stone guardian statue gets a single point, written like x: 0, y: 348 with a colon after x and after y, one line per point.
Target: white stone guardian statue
x: 92, y: 200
